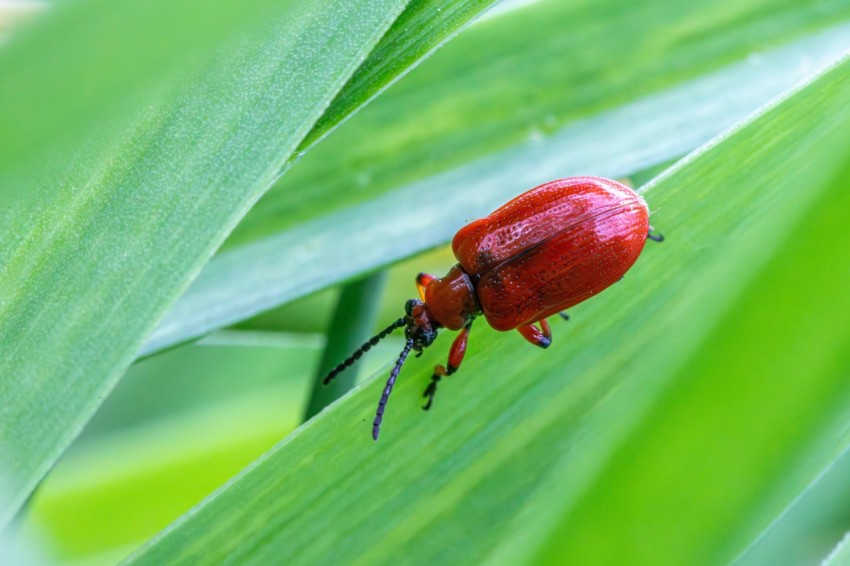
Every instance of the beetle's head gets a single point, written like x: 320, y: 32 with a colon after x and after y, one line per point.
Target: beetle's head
x: 419, y: 325
x: 420, y: 330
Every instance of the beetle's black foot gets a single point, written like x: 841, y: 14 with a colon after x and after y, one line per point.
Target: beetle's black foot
x: 430, y: 391
x: 654, y: 236
x: 564, y: 315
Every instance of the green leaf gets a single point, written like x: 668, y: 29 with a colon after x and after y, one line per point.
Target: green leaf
x: 497, y: 111
x: 517, y: 80
x: 840, y: 555
x: 809, y: 527
x: 739, y: 398
x: 354, y: 318
x: 674, y: 418
x: 177, y: 426
x: 116, y: 194
x: 417, y: 32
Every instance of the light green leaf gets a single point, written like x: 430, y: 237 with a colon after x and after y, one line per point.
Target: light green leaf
x: 177, y: 426
x: 417, y: 32
x: 353, y: 320
x: 840, y: 555
x: 124, y: 163
x: 737, y: 399
x: 674, y: 418
x: 809, y: 527
x: 532, y: 104
x: 517, y: 80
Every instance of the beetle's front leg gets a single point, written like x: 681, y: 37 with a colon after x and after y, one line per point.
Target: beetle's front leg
x: 538, y: 336
x: 422, y: 281
x: 455, y: 358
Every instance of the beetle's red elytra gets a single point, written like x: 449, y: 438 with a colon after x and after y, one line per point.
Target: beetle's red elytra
x: 545, y: 251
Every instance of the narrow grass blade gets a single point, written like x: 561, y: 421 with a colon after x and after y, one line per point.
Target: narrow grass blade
x: 352, y: 324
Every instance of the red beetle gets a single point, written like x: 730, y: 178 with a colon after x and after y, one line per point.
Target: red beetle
x: 545, y: 251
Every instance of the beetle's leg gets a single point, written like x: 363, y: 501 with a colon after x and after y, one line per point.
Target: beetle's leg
x: 422, y: 281
x: 654, y: 236
x: 564, y: 315
x: 538, y: 336
x: 455, y: 358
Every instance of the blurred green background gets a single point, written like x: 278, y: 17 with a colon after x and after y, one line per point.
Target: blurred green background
x: 183, y: 422
x: 695, y: 413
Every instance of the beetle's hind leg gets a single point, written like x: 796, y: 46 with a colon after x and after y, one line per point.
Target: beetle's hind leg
x: 654, y: 235
x: 538, y: 336
x: 455, y: 358
x: 422, y: 281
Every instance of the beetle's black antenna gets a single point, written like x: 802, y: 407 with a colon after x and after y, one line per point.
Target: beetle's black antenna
x: 382, y: 404
x: 363, y: 349
x: 655, y: 236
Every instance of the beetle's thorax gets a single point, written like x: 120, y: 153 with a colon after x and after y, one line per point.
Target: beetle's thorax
x: 451, y: 300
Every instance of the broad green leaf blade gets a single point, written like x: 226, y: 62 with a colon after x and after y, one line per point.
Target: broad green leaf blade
x: 840, y: 555
x: 742, y: 399
x: 417, y: 32
x: 808, y: 528
x: 519, y: 78
x: 524, y: 446
x: 21, y: 552
x: 319, y: 242
x: 13, y: 13
x: 177, y: 426
x: 117, y: 217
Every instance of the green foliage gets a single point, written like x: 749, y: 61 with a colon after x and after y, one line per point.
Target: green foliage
x: 510, y: 103
x: 750, y: 366
x: 690, y: 414
x: 176, y: 427
x: 84, y: 280
x: 119, y: 194
x: 841, y: 554
x: 704, y: 383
